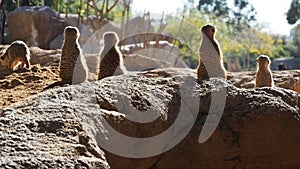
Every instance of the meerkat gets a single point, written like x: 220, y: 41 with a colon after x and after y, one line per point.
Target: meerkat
x: 111, y: 59
x: 296, y: 87
x: 210, y: 55
x: 72, y: 67
x: 263, y: 74
x: 17, y: 54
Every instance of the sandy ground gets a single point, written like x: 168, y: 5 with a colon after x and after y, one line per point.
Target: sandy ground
x: 18, y: 85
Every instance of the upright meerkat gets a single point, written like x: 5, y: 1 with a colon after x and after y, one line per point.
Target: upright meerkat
x: 17, y: 54
x: 72, y: 67
x: 210, y: 55
x: 111, y: 59
x: 263, y: 75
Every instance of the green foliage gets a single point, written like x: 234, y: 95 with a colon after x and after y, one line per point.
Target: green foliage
x: 69, y: 6
x: 295, y: 34
x: 13, y: 4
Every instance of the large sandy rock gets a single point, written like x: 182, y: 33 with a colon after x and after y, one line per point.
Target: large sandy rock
x: 71, y: 127
x: 136, y: 62
x: 85, y: 33
x: 164, y: 51
x: 57, y: 42
x: 44, y: 57
x: 37, y: 26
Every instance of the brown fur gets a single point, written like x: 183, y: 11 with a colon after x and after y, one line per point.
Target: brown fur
x: 72, y: 64
x: 263, y: 75
x: 296, y: 87
x: 210, y: 55
x: 17, y: 54
x: 73, y: 67
x: 111, y: 59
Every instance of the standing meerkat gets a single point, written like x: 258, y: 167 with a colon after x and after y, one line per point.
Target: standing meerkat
x: 72, y: 67
x: 17, y: 54
x: 111, y: 59
x: 263, y: 75
x: 210, y: 55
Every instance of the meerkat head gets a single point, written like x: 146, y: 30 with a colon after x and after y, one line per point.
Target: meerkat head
x: 71, y: 33
x: 110, y: 38
x: 263, y: 60
x: 209, y: 30
x: 4, y: 61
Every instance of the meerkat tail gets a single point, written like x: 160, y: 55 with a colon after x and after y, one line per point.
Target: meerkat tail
x: 58, y: 83
x: 27, y: 63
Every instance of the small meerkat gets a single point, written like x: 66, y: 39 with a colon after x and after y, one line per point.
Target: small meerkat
x: 210, y: 55
x: 263, y: 75
x: 72, y: 67
x: 296, y: 87
x: 111, y: 59
x: 17, y: 54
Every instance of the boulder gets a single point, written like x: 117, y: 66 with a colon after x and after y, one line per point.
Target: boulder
x: 86, y: 125
x: 85, y: 33
x: 44, y: 57
x: 136, y: 62
x: 57, y: 42
x: 40, y: 25
x: 163, y: 51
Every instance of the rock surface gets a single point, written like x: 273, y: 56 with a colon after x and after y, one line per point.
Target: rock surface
x: 39, y: 25
x: 66, y: 127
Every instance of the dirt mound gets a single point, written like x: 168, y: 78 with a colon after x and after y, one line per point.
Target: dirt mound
x: 19, y: 85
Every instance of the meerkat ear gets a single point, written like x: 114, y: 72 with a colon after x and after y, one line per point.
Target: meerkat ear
x: 213, y: 29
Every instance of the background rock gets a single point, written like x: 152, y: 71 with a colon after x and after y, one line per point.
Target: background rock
x: 44, y: 57
x: 164, y: 51
x: 37, y: 26
x: 136, y: 62
x: 57, y: 42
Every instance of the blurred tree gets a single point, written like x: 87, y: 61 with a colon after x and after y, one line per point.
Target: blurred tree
x: 295, y: 35
x: 2, y: 21
x: 217, y: 7
x: 243, y: 14
x: 293, y: 14
x: 239, y: 16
